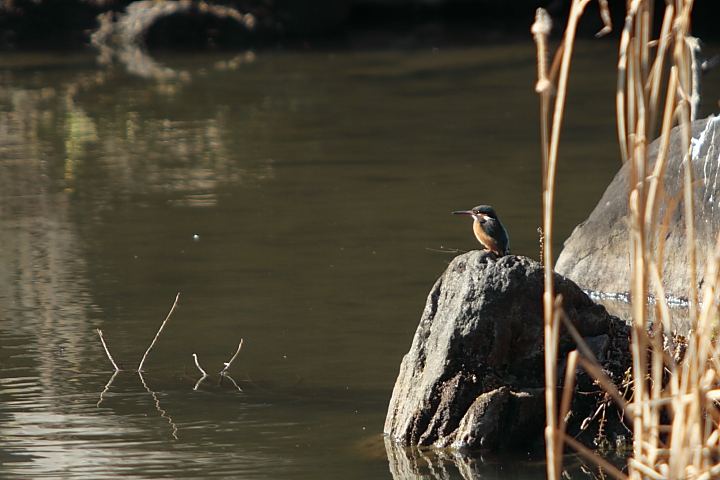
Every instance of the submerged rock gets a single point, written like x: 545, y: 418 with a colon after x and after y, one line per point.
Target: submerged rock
x: 473, y: 378
x: 597, y: 254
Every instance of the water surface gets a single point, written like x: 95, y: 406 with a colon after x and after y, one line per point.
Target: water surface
x: 298, y: 201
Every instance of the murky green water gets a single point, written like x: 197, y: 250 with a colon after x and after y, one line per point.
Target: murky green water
x: 300, y: 202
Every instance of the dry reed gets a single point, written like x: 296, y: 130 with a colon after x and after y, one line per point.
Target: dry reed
x: 674, y: 409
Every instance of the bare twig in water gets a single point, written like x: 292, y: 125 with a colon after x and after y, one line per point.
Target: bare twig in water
x: 197, y: 364
x: 142, y: 362
x: 204, y: 373
x: 107, y: 387
x: 163, y: 413
x: 228, y: 364
x: 102, y: 339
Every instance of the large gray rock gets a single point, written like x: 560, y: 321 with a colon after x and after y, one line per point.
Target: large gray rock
x: 473, y: 378
x: 597, y: 254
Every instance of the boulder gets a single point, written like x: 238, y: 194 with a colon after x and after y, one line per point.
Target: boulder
x: 473, y: 378
x: 597, y: 254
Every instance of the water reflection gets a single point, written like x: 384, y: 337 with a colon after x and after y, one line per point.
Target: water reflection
x: 620, y: 306
x: 418, y: 464
x: 67, y: 445
x: 121, y: 36
x: 44, y: 298
x: 300, y: 202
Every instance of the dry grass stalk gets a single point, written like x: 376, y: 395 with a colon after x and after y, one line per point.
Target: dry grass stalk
x: 568, y: 391
x: 674, y: 408
x: 551, y: 140
x: 591, y: 365
x: 682, y: 448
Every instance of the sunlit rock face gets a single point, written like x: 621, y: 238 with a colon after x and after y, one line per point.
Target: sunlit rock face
x: 598, y: 253
x: 474, y: 376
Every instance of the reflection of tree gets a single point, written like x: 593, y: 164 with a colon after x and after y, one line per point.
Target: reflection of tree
x: 43, y: 289
x: 79, y: 130
x: 137, y: 152
x: 65, y: 139
x: 120, y: 36
x: 69, y: 135
x: 162, y: 155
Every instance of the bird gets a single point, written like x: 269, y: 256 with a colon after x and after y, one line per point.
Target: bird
x: 488, y: 229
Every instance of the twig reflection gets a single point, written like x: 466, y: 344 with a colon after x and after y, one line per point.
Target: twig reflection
x: 107, y: 386
x: 163, y: 413
x: 223, y: 372
x: 231, y: 379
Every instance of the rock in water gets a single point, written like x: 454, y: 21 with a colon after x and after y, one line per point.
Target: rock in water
x: 597, y: 254
x: 473, y: 378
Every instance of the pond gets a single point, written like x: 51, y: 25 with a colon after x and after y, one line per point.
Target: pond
x: 300, y: 202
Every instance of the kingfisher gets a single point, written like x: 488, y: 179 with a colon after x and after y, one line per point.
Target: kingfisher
x: 488, y: 229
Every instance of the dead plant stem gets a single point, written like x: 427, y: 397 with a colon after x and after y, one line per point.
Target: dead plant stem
x: 147, y: 352
x: 229, y: 364
x: 107, y: 351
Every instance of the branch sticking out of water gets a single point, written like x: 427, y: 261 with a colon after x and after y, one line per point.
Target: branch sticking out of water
x: 147, y: 352
x: 197, y: 364
x: 223, y: 372
x: 102, y: 339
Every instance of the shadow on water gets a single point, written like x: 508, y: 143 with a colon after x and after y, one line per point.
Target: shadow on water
x: 297, y: 201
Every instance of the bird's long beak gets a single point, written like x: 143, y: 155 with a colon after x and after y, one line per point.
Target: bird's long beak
x: 464, y: 212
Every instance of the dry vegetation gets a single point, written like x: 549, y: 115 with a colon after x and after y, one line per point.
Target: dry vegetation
x: 674, y: 406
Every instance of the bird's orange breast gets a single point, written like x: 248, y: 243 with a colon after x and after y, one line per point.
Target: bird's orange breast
x: 484, y: 238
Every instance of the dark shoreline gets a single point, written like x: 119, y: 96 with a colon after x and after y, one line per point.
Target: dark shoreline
x: 319, y: 24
